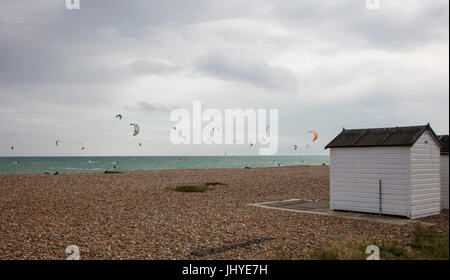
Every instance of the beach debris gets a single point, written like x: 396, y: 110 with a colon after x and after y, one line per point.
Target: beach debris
x: 119, y: 116
x: 135, y: 128
x: 215, y: 184
x: 315, y: 134
x: 56, y: 173
x: 247, y: 167
x: 190, y: 188
x: 112, y: 172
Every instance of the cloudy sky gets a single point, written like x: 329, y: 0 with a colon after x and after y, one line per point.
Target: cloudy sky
x: 324, y: 65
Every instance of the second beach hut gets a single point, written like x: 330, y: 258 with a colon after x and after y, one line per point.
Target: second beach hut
x: 394, y: 171
x: 444, y: 171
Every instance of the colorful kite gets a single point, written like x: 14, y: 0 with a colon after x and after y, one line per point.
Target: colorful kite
x: 315, y: 134
x: 135, y: 129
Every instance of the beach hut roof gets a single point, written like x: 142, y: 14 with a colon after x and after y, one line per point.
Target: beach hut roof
x: 444, y: 141
x: 381, y: 137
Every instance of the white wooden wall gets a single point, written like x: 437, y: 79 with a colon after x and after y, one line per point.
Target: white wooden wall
x: 425, y: 177
x: 444, y: 181
x: 355, y: 175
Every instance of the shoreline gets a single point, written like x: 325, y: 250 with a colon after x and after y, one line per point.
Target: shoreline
x: 150, y: 170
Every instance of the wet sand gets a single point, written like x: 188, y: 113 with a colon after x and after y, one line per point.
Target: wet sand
x: 132, y: 216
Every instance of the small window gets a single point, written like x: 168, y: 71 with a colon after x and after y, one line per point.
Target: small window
x: 426, y: 141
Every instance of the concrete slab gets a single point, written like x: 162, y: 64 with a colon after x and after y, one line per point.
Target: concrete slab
x: 323, y: 208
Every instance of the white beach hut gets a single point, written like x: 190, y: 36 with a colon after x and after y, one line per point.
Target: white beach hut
x: 394, y: 171
x: 444, y: 171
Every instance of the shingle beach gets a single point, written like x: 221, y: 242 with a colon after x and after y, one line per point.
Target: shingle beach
x: 133, y: 215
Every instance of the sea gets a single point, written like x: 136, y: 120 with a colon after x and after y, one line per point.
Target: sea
x: 36, y: 165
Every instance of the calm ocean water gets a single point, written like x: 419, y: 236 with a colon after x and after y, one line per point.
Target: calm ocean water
x: 32, y: 165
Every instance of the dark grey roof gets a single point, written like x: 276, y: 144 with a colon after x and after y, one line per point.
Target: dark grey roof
x: 380, y: 137
x: 444, y: 141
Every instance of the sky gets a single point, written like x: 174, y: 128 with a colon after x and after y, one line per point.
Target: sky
x: 324, y: 65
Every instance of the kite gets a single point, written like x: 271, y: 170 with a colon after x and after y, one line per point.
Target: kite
x: 136, y: 129
x: 83, y: 148
x: 140, y: 144
x: 315, y: 134
x: 251, y: 145
x: 57, y: 142
x: 215, y: 129
x: 119, y: 116
x: 267, y: 128
x: 295, y: 147
x: 12, y: 147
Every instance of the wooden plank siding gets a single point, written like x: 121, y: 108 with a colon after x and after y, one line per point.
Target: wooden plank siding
x: 355, y: 174
x: 425, y: 177
x: 444, y: 181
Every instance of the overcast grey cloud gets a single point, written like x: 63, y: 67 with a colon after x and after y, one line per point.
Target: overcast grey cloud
x: 323, y: 64
x: 147, y: 67
x: 257, y: 73
x: 150, y: 107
